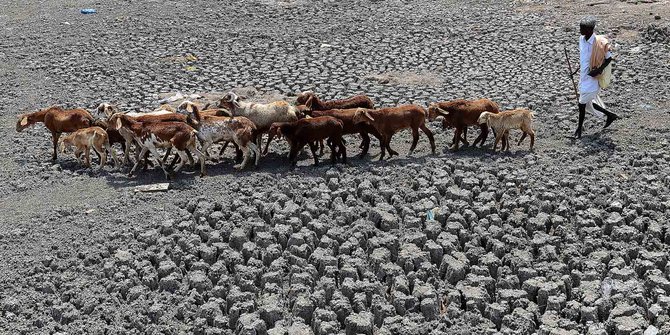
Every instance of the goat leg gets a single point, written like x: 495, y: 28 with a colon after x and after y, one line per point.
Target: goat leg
x: 102, y: 152
x: 415, y: 140
x: 365, y: 144
x: 157, y: 156
x: 254, y: 151
x: 464, y: 136
x: 201, y: 159
x: 87, y: 156
x: 388, y: 147
x: 223, y: 148
x: 113, y: 153
x: 483, y: 134
x: 321, y: 148
x: 146, y: 161
x: 313, y: 146
x: 523, y: 137
x: 245, y: 160
x: 191, y: 162
x: 293, y: 155
x: 431, y: 138
x: 342, y: 149
x: 167, y: 154
x: 77, y: 155
x: 382, y: 144
x: 506, y: 141
x: 457, y: 135
x: 238, y: 153
x: 174, y: 161
x: 54, y: 138
x: 138, y: 161
x: 498, y: 138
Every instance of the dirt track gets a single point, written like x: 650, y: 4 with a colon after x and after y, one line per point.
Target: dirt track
x: 569, y: 239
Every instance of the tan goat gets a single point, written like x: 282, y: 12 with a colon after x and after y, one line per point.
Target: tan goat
x: 512, y: 119
x: 85, y: 139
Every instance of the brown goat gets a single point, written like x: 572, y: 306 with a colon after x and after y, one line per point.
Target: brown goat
x: 308, y: 101
x: 165, y: 113
x: 309, y: 131
x: 86, y: 138
x: 58, y: 121
x: 347, y: 118
x: 388, y: 121
x: 462, y: 113
x: 312, y: 102
x: 151, y: 135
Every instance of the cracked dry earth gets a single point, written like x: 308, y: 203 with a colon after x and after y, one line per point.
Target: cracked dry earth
x: 572, y: 238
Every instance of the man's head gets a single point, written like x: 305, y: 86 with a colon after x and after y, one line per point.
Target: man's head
x: 587, y: 25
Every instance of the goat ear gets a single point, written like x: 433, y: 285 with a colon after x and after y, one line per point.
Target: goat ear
x: 367, y: 114
x: 236, y: 104
x: 194, y: 108
x: 118, y: 123
x: 24, y: 121
x: 309, y: 102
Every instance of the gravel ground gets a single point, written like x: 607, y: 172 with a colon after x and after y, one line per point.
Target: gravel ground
x: 572, y: 238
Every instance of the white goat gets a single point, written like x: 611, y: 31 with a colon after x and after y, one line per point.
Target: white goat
x: 262, y: 115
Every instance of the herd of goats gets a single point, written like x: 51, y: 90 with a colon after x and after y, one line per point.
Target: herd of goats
x: 310, y: 121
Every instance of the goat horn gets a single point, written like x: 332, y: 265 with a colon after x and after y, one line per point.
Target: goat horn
x: 442, y: 111
x: 367, y: 114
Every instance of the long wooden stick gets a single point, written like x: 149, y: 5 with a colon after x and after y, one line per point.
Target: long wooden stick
x: 571, y: 74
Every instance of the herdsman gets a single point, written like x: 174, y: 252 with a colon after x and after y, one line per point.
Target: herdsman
x: 594, y: 57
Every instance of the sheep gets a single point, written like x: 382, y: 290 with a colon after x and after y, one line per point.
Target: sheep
x: 388, y: 121
x: 312, y: 102
x: 151, y: 135
x: 262, y: 115
x: 213, y: 129
x: 58, y: 121
x: 512, y: 119
x: 460, y: 114
x: 309, y: 131
x: 86, y: 138
x: 347, y: 118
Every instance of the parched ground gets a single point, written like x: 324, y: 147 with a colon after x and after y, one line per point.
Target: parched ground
x: 571, y: 238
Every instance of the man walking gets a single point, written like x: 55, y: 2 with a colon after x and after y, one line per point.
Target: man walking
x: 594, y: 57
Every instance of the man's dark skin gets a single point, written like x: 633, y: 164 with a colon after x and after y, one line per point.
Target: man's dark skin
x: 587, y: 32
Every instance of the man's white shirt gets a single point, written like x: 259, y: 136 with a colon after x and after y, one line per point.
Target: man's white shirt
x: 587, y: 83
